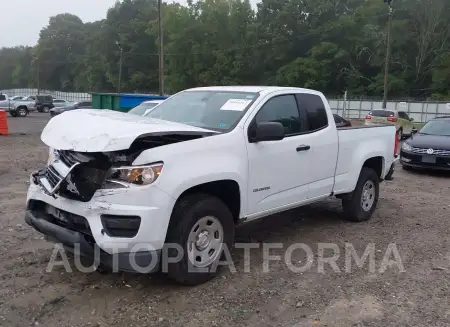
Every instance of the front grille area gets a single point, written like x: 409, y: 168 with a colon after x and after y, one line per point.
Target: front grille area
x: 416, y: 159
x: 73, y: 175
x: 68, y: 158
x: 53, y: 176
x: 436, y: 152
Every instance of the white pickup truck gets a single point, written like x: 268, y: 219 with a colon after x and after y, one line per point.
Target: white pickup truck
x: 165, y: 191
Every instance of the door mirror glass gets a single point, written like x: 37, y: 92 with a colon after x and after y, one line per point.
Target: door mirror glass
x: 411, y: 119
x: 268, y: 131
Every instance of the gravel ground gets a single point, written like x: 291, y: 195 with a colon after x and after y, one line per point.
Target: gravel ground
x: 413, y: 214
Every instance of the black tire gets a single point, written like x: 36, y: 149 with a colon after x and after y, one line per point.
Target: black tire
x: 406, y: 167
x: 13, y: 114
x: 353, y: 206
x: 187, y: 212
x: 39, y: 110
x: 22, y: 112
x: 45, y: 109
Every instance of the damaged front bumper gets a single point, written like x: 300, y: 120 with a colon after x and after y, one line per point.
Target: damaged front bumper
x: 127, y: 224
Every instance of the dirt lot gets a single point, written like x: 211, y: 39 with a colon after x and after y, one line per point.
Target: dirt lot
x: 413, y: 213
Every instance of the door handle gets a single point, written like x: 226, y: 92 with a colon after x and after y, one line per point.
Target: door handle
x: 303, y: 148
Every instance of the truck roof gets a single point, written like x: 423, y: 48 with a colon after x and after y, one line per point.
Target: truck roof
x: 253, y: 89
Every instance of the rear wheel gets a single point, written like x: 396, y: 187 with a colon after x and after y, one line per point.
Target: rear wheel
x: 202, y: 226
x: 13, y: 114
x: 22, y: 112
x: 45, y: 109
x: 362, y: 202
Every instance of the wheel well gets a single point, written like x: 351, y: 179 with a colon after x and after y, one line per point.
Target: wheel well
x: 226, y: 190
x: 375, y: 163
x: 22, y: 107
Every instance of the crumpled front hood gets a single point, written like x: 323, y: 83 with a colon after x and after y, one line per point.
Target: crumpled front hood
x: 95, y: 130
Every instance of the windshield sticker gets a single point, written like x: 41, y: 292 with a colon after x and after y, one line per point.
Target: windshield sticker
x: 235, y: 104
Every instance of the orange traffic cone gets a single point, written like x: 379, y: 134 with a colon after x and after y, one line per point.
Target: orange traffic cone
x: 3, y: 123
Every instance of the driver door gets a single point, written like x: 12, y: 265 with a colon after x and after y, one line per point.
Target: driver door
x: 278, y: 170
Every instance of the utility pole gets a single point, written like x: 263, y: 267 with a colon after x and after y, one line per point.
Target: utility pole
x: 120, y: 70
x: 388, y: 55
x: 120, y: 66
x: 161, y: 49
x: 37, y: 75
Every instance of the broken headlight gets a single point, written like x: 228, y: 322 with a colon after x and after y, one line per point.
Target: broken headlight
x: 137, y: 175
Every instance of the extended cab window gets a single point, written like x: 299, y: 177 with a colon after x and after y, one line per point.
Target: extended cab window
x: 315, y: 111
x: 403, y: 115
x: 282, y: 109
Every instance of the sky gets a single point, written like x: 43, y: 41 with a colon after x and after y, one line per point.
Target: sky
x: 22, y: 20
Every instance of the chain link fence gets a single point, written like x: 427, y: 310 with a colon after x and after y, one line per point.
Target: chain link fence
x: 420, y: 111
x: 68, y: 96
x: 354, y: 108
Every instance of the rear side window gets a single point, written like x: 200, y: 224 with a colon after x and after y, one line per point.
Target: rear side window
x: 2, y: 97
x: 282, y: 109
x: 315, y: 111
x: 403, y: 115
x: 337, y: 119
x: 382, y: 113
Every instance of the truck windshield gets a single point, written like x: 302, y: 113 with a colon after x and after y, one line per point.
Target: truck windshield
x: 436, y: 127
x: 215, y: 110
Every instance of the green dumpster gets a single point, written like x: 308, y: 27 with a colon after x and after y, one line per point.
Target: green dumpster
x: 106, y: 101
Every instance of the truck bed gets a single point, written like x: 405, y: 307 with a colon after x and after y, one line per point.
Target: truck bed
x: 356, y: 145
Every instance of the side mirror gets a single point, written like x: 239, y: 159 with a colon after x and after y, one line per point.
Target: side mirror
x: 414, y: 131
x: 147, y: 111
x: 411, y: 119
x: 267, y: 131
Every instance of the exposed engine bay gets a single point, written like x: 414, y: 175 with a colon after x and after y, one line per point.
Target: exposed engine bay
x: 78, y: 175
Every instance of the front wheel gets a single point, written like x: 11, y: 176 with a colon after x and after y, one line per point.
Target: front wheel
x: 13, y: 114
x: 363, y: 201
x: 45, y: 109
x: 202, y: 227
x: 22, y: 112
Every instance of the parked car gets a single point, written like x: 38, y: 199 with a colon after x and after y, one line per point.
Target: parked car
x: 16, y: 98
x: 428, y: 148
x: 400, y: 119
x: 145, y: 107
x: 22, y: 107
x: 203, y: 161
x: 4, y: 102
x: 61, y: 103
x: 44, y: 103
x: 341, y: 122
x: 77, y: 105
